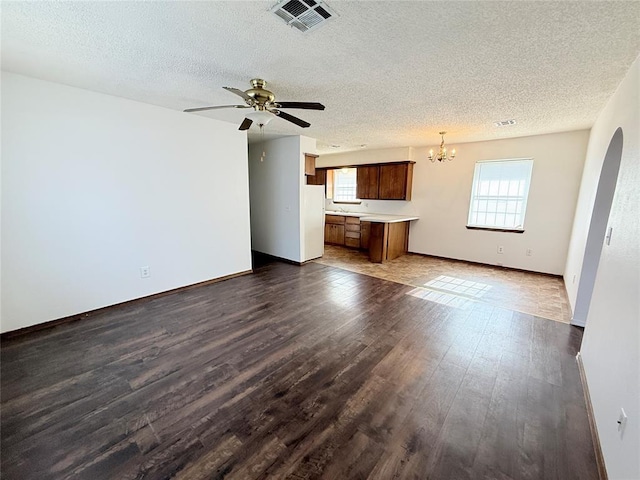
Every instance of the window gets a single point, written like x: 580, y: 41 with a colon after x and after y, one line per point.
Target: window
x: 344, y: 185
x: 499, y: 194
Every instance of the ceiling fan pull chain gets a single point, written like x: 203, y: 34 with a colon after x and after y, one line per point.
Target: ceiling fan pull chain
x: 264, y: 154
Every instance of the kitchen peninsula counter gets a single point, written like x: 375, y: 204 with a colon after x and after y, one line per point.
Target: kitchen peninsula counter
x: 387, y: 236
x: 374, y: 217
x: 378, y: 218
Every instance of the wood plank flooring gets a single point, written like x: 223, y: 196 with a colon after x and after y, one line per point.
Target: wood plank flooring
x: 296, y: 373
x: 537, y: 294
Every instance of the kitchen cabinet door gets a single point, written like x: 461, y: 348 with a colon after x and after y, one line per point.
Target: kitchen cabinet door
x: 334, y: 234
x: 310, y: 164
x: 365, y: 231
x: 395, y: 181
x: 367, y: 179
x: 320, y: 177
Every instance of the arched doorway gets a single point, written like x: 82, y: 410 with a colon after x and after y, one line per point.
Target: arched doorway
x: 598, y: 227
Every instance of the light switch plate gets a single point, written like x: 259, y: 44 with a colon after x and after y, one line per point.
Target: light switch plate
x: 622, y: 422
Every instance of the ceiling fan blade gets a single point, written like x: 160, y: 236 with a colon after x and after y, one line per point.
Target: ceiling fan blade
x: 200, y: 109
x: 303, y: 105
x: 246, y: 123
x: 291, y: 118
x: 239, y: 92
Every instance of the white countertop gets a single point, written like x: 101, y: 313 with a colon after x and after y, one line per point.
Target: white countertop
x: 375, y: 217
x: 379, y: 218
x: 344, y: 214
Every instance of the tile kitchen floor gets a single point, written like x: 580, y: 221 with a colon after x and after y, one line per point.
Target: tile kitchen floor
x: 457, y: 283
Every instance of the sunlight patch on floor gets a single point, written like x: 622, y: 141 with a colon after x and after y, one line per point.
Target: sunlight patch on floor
x: 458, y: 286
x: 443, y: 298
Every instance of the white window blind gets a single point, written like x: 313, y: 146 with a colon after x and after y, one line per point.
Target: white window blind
x: 499, y: 194
x: 344, y: 184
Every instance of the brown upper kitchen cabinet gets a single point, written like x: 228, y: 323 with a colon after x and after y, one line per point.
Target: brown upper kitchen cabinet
x: 320, y: 178
x: 310, y: 163
x: 367, y: 182
x: 385, y: 181
x: 395, y: 181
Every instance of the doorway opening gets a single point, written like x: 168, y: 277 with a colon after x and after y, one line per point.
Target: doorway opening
x: 598, y: 227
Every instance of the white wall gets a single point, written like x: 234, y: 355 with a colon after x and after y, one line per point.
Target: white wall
x: 276, y: 194
x: 611, y: 342
x: 441, y: 193
x: 362, y: 157
x: 95, y: 187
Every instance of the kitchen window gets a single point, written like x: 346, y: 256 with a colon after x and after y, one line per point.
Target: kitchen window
x: 499, y: 194
x: 345, y: 185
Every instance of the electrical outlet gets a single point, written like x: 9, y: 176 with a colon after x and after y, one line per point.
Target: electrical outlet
x: 145, y: 272
x: 529, y: 252
x: 500, y: 249
x: 608, y: 236
x: 622, y: 422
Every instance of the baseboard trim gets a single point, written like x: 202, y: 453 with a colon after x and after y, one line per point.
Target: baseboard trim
x: 602, y: 471
x: 81, y: 316
x: 282, y: 259
x: 486, y: 264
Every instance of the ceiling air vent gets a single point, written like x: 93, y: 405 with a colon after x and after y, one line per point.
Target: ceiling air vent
x: 305, y: 15
x: 504, y: 123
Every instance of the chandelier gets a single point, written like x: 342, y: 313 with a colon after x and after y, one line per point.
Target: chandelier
x: 442, y: 154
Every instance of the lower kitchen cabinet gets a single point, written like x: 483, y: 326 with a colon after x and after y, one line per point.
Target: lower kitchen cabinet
x: 342, y: 230
x: 365, y: 233
x: 352, y: 239
x: 388, y: 241
x: 383, y: 240
x: 352, y: 232
x: 334, y: 234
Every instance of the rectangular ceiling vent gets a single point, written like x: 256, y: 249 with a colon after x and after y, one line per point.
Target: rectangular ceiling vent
x: 305, y: 15
x: 504, y: 123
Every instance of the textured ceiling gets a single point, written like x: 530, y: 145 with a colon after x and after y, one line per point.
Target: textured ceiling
x: 390, y: 73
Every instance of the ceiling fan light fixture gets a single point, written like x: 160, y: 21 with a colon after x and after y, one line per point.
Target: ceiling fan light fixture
x: 260, y: 117
x: 265, y: 106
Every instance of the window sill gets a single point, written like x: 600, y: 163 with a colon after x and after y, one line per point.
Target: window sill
x: 493, y: 229
x: 348, y: 202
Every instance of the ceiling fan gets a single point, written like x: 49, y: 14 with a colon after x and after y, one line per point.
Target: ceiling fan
x: 264, y: 105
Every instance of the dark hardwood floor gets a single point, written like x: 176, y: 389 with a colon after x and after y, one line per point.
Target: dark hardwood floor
x: 296, y: 372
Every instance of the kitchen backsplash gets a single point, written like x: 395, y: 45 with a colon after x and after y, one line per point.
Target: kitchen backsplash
x: 390, y: 207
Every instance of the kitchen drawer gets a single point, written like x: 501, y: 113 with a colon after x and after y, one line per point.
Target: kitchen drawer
x: 349, y: 234
x: 352, y: 242
x: 338, y: 219
x: 351, y: 227
x: 355, y: 220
